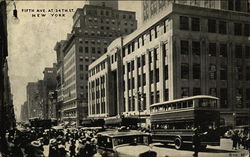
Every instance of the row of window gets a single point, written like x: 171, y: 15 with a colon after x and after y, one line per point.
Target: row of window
x: 98, y: 94
x: 97, y: 82
x: 213, y: 48
x: 93, y: 41
x: 109, y: 13
x: 146, y: 37
x: 69, y: 72
x: 93, y: 50
x: 98, y: 108
x: 223, y: 95
x: 214, y: 26
x: 99, y: 67
x: 69, y: 80
x: 108, y: 21
x: 69, y: 63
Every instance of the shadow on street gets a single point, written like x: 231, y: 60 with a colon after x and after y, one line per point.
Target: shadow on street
x: 188, y: 148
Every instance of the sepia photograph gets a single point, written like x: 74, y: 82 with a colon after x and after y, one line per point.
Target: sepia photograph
x: 124, y: 78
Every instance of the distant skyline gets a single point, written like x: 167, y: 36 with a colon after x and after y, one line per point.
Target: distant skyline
x: 32, y: 40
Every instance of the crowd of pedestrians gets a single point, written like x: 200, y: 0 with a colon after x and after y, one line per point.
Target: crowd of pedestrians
x: 61, y: 143
x: 240, y: 138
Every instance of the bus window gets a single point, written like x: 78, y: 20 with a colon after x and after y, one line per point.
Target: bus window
x: 174, y: 106
x: 184, y: 104
x: 190, y: 103
x: 213, y: 103
x: 178, y: 105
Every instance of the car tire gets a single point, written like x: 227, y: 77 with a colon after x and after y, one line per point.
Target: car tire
x: 178, y: 143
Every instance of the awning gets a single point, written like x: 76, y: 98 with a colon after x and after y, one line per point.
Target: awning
x: 113, y: 121
x: 92, y: 122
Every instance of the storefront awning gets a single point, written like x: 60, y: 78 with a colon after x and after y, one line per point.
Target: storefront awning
x: 113, y: 121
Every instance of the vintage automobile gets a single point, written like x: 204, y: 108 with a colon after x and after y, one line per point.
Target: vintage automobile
x: 123, y: 143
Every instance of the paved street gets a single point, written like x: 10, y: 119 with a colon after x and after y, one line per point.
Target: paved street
x: 225, y: 150
x: 212, y: 151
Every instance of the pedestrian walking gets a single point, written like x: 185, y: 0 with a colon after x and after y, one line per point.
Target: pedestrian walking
x: 196, y: 142
x: 235, y: 140
x: 72, y: 148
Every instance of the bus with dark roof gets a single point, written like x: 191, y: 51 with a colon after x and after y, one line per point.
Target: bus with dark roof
x: 175, y: 121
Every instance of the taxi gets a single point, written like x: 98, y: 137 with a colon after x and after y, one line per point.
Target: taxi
x: 123, y: 143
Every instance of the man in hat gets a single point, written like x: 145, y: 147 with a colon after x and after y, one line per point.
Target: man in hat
x: 81, y: 149
x: 35, y: 149
x: 53, y: 150
x: 196, y: 142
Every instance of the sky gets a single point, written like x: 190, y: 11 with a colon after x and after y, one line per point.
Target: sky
x: 31, y: 40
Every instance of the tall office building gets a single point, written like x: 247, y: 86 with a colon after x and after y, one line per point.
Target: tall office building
x: 49, y: 86
x: 95, y: 26
x: 185, y: 51
x: 59, y: 78
x: 24, y: 112
x: 35, y: 110
x: 151, y: 9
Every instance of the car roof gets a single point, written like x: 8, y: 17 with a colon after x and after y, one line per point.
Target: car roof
x: 116, y: 133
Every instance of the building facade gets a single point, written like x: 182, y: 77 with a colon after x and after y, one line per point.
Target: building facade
x: 49, y: 85
x: 94, y: 27
x: 185, y: 51
x: 35, y: 99
x: 24, y: 112
x: 59, y: 78
x: 151, y: 9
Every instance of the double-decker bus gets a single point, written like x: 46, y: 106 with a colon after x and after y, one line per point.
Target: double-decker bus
x: 175, y: 121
